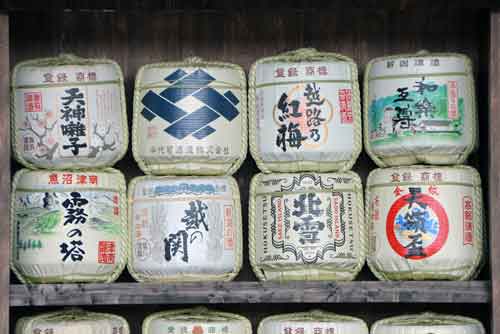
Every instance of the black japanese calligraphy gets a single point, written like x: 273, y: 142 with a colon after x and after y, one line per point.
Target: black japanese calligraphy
x: 307, y: 209
x: 75, y: 209
x: 195, y: 221
x: 177, y: 243
x: 415, y: 220
x: 300, y: 118
x: 75, y: 214
x: 196, y: 215
x: 291, y: 135
x: 409, y: 112
x: 73, y: 115
x: 422, y: 86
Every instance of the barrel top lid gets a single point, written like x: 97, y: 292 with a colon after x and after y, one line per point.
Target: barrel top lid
x: 193, y: 60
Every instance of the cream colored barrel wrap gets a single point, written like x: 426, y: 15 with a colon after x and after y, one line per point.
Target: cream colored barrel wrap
x: 425, y: 223
x: 68, y: 112
x: 306, y: 226
x: 426, y: 323
x: 190, y: 118
x: 68, y: 226
x: 304, y: 112
x: 185, y: 229
x: 420, y: 108
x: 73, y: 321
x: 197, y: 320
x: 313, y: 322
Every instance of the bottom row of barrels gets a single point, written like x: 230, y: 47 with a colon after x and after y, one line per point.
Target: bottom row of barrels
x: 201, y: 320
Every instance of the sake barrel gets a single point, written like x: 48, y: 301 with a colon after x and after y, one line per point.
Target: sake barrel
x: 190, y: 118
x: 68, y: 112
x: 420, y: 108
x: 306, y: 226
x: 185, y: 229
x: 197, y: 321
x: 428, y: 323
x: 425, y: 223
x: 313, y: 322
x: 68, y: 226
x: 304, y: 112
x: 73, y: 321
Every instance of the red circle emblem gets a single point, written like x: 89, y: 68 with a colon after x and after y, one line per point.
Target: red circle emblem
x: 438, y: 239
x: 197, y: 330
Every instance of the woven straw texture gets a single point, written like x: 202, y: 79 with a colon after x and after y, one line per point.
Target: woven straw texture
x: 66, y: 60
x: 198, y: 316
x: 196, y: 166
x: 304, y: 55
x: 418, y: 154
x: 304, y: 271
x: 341, y: 323
x: 101, y: 323
x: 428, y: 323
x: 184, y: 277
x: 465, y: 270
x: 121, y: 260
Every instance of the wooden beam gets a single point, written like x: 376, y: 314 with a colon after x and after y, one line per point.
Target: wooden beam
x: 251, y: 292
x: 494, y: 168
x: 4, y: 174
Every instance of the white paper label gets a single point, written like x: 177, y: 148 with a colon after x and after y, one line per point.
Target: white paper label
x: 304, y: 111
x: 306, y: 219
x: 162, y: 326
x: 60, y: 232
x: 184, y: 227
x: 69, y: 116
x: 189, y: 113
x: 419, y: 105
x: 423, y: 219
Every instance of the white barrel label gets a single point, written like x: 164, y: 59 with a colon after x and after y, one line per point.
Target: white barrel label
x: 306, y: 219
x: 419, y: 102
x: 73, y: 321
x: 313, y: 322
x: 184, y: 227
x: 425, y: 220
x: 304, y: 110
x: 297, y: 327
x: 174, y: 327
x: 68, y: 116
x: 188, y: 113
x: 417, y: 224
x: 68, y: 223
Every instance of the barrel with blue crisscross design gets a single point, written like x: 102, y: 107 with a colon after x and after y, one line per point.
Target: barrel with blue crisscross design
x: 190, y: 118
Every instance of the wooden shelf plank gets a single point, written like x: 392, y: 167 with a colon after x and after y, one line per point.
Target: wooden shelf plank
x: 494, y: 166
x: 4, y: 173
x: 251, y: 292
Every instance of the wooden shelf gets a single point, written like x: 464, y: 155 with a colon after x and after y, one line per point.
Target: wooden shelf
x: 250, y: 292
x: 135, y: 33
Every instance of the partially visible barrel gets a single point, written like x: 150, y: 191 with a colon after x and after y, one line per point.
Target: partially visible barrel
x: 185, y: 229
x: 197, y: 320
x: 304, y: 112
x: 68, y: 112
x: 425, y: 223
x: 306, y: 226
x: 420, y: 108
x: 313, y: 322
x: 68, y: 226
x: 425, y: 323
x: 73, y: 321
